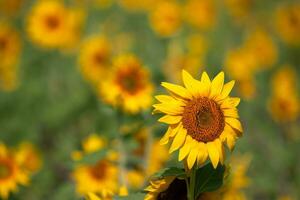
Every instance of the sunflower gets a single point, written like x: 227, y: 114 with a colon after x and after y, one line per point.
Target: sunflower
x: 51, y: 25
x: 200, y: 13
x: 239, y: 9
x: 166, y: 188
x: 201, y: 117
x: 10, y: 45
x: 165, y: 19
x: 10, y: 172
x: 287, y: 20
x: 28, y: 157
x: 128, y: 86
x: 101, y: 178
x: 94, y: 58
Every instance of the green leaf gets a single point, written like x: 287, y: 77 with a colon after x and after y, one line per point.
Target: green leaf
x: 209, y: 179
x: 134, y: 196
x: 170, y: 171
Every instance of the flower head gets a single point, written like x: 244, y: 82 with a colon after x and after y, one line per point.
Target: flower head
x: 201, y: 117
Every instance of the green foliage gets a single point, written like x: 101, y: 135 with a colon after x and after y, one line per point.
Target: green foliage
x: 209, y: 179
x: 170, y: 171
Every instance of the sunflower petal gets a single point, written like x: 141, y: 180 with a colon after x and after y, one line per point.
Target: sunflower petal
x: 193, y: 85
x: 234, y: 123
x: 192, y: 157
x: 202, y: 153
x: 170, y: 119
x: 178, y: 141
x: 217, y: 85
x: 185, y: 150
x: 231, y: 113
x: 213, y: 153
x: 226, y: 90
x: 170, y: 109
x: 165, y: 139
x: 219, y: 146
x: 230, y: 102
x: 177, y: 90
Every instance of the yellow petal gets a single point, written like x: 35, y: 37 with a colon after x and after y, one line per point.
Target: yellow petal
x: 178, y: 140
x: 169, y: 99
x: 193, y: 85
x: 234, y: 123
x: 205, y: 78
x: 165, y: 139
x: 219, y: 145
x: 230, y: 139
x: 192, y: 157
x: 184, y: 151
x: 217, y: 85
x: 231, y: 112
x: 205, y: 84
x: 202, y: 153
x: 226, y: 90
x: 175, y: 129
x: 213, y: 153
x: 230, y: 103
x: 177, y: 90
x: 170, y: 109
x: 170, y: 119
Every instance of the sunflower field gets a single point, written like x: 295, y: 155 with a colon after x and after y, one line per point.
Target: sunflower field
x: 149, y: 99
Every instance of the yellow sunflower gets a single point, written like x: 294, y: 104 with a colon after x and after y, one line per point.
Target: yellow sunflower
x: 200, y: 13
x: 51, y: 25
x: 10, y: 173
x: 101, y: 178
x: 201, y: 117
x: 287, y: 20
x: 165, y: 19
x: 94, y: 58
x: 28, y: 157
x: 166, y: 188
x: 10, y: 45
x: 12, y: 7
x: 128, y: 85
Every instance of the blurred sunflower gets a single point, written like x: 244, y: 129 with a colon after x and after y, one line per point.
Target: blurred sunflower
x: 10, y: 172
x: 51, y: 25
x: 94, y: 58
x: 261, y: 45
x: 284, y: 104
x: 135, y: 178
x: 201, y: 14
x: 93, y: 196
x: 28, y: 157
x: 101, y: 178
x: 201, y: 117
x: 128, y: 85
x: 10, y: 45
x: 165, y: 19
x: 11, y: 7
x: 287, y: 20
x: 239, y: 9
x: 166, y: 188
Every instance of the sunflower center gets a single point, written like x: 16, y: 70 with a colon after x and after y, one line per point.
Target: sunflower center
x: 5, y: 169
x: 3, y: 44
x: 130, y: 81
x: 99, y: 58
x: 203, y: 119
x: 52, y: 22
x: 99, y: 170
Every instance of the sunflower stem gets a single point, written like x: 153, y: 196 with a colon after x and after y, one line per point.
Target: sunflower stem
x: 191, y: 190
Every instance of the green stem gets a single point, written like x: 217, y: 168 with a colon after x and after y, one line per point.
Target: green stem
x: 191, y: 191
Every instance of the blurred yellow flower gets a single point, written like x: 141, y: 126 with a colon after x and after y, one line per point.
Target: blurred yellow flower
x: 51, y: 25
x: 11, y: 174
x: 287, y: 20
x: 94, y: 58
x: 28, y: 157
x: 10, y: 45
x: 93, y: 143
x: 128, y: 85
x: 101, y: 178
x: 165, y: 19
x: 135, y: 178
x: 201, y: 117
x: 261, y: 45
x: 201, y: 14
x: 284, y: 104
